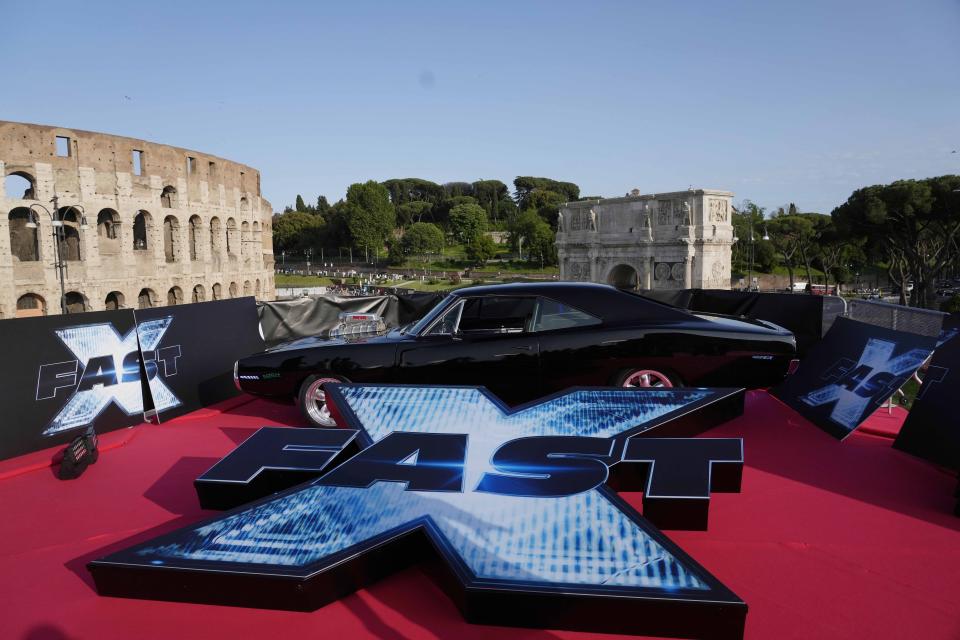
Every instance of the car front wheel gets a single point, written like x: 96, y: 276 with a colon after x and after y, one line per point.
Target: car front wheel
x: 646, y: 379
x: 313, y: 401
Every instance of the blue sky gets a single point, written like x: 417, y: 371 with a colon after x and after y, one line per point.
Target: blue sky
x: 778, y: 102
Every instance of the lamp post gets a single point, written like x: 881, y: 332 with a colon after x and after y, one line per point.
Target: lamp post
x: 57, y: 225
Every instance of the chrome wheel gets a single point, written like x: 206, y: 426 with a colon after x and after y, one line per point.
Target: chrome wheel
x: 647, y: 378
x: 315, y: 403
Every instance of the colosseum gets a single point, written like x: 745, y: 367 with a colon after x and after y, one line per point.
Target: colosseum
x: 133, y: 223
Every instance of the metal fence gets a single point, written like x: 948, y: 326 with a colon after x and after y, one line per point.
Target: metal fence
x: 925, y: 322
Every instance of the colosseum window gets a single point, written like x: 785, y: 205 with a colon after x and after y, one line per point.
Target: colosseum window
x: 69, y: 236
x: 31, y: 304
x: 141, y: 227
x: 193, y: 240
x: 20, y: 185
x: 256, y: 288
x: 75, y: 301
x: 171, y: 239
x: 63, y: 146
x: 233, y: 289
x: 215, y: 238
x: 24, y: 241
x: 217, y: 291
x: 137, y: 159
x: 191, y: 165
x: 231, y: 236
x: 244, y: 205
x: 174, y: 296
x: 168, y: 198
x: 198, y: 293
x: 113, y: 301
x: 147, y: 298
x: 108, y: 225
x: 245, y: 239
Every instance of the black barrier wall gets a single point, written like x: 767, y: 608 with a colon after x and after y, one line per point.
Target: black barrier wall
x: 62, y: 374
x: 932, y: 428
x: 193, y: 360
x: 807, y: 316
x: 851, y: 372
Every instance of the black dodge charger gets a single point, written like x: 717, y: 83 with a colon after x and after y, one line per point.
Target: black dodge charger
x: 523, y: 341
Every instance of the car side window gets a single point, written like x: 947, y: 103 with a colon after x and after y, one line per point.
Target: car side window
x: 497, y: 314
x: 553, y: 315
x: 447, y: 323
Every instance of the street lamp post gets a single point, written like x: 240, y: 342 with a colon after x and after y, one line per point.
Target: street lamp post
x: 57, y: 225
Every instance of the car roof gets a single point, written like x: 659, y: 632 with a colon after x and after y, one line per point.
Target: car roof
x: 610, y: 304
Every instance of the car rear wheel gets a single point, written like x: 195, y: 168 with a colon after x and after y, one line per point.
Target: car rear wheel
x: 313, y: 401
x: 646, y: 379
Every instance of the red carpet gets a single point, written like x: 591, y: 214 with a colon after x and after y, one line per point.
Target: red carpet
x: 826, y: 540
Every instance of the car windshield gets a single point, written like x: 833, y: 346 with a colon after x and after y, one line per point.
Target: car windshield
x: 421, y: 324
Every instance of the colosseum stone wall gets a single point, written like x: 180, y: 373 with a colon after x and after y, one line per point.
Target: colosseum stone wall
x: 141, y: 224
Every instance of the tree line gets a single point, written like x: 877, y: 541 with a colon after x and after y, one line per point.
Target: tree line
x: 403, y: 218
x: 909, y: 228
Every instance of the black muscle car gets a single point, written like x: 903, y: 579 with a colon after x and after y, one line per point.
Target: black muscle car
x: 523, y: 341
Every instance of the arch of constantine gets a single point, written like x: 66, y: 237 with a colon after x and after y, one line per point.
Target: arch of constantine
x: 676, y: 240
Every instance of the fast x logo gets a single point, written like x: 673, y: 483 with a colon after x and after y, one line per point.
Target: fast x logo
x: 858, y: 387
x: 107, y: 369
x: 513, y: 502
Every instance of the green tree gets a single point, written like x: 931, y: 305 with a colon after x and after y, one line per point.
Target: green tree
x: 295, y: 231
x: 481, y: 248
x: 300, y: 204
x: 489, y: 195
x: 413, y: 211
x: 323, y: 207
x: 422, y: 238
x: 914, y: 224
x: 369, y: 215
x: 749, y: 227
x: 533, y: 236
x: 525, y: 185
x: 466, y: 221
x: 788, y: 234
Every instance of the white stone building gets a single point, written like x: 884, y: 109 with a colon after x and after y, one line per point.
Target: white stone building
x: 677, y: 240
x: 141, y: 224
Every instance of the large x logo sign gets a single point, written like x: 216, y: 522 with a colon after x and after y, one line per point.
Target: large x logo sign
x: 103, y: 345
x: 578, y: 560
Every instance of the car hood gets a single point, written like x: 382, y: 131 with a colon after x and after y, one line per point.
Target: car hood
x: 388, y: 337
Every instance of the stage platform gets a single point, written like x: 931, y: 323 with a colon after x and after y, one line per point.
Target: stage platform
x: 826, y: 540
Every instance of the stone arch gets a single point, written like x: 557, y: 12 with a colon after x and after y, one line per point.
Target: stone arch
x: 215, y: 236
x: 142, y: 223
x: 171, y: 239
x: 31, y: 304
x: 623, y: 276
x: 75, y: 302
x: 193, y: 239
x: 199, y: 295
x: 244, y: 238
x: 20, y: 185
x: 24, y: 240
x: 147, y: 298
x: 69, y: 236
x: 108, y: 231
x: 256, y: 288
x: 113, y: 301
x: 247, y: 288
x: 244, y: 205
x: 217, y: 291
x: 168, y: 197
x: 233, y: 289
x: 174, y: 296
x: 231, y: 236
